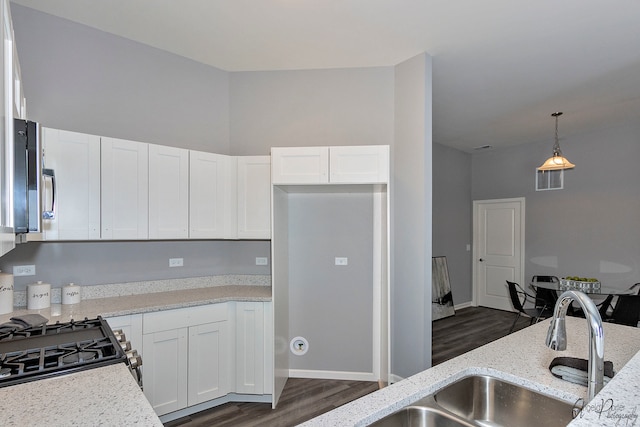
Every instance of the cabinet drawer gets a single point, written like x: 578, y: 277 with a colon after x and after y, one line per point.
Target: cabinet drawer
x: 184, y: 317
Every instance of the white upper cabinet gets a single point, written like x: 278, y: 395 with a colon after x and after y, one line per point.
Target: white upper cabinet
x: 125, y: 189
x: 359, y: 165
x: 364, y: 164
x: 300, y: 165
x: 75, y: 159
x: 212, y: 196
x: 254, y: 197
x: 7, y: 236
x: 168, y: 192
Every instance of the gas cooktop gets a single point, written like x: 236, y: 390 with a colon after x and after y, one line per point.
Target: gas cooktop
x: 50, y: 350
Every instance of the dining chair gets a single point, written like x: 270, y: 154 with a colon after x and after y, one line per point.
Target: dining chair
x: 545, y: 298
x: 626, y: 311
x: 605, y: 305
x: 518, y: 299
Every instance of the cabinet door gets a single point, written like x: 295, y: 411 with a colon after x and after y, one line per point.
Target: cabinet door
x: 165, y: 370
x: 359, y: 165
x: 212, y: 196
x: 125, y: 189
x: 250, y: 348
x: 209, y: 362
x: 254, y: 197
x: 168, y: 192
x: 7, y: 236
x: 75, y: 158
x: 300, y: 165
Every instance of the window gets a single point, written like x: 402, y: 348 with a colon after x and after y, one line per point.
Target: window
x: 549, y: 180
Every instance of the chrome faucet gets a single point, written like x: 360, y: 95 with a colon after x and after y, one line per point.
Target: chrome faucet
x: 557, y: 336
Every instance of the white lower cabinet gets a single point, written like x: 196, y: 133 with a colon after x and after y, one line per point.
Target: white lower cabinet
x: 198, y: 354
x: 165, y: 369
x: 250, y: 348
x: 209, y: 361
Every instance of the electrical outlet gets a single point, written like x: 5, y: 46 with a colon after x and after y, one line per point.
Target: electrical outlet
x: 24, y: 270
x: 176, y: 262
x: 342, y: 260
x: 262, y: 260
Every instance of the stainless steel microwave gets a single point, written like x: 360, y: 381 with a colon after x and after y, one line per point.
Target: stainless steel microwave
x: 27, y: 200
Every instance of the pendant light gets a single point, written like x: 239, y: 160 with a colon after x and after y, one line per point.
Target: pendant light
x: 557, y: 161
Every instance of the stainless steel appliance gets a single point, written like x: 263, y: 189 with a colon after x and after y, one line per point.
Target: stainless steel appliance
x: 27, y: 205
x: 38, y: 352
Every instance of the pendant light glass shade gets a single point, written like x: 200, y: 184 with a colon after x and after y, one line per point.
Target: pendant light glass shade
x: 557, y: 161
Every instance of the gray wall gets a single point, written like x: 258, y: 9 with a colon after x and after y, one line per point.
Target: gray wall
x: 452, y: 217
x: 591, y: 227
x: 331, y: 306
x: 80, y: 79
x: 411, y: 218
x: 96, y: 263
x: 352, y: 106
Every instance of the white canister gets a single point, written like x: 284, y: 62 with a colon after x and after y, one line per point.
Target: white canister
x: 6, y: 293
x: 38, y: 296
x: 71, y: 294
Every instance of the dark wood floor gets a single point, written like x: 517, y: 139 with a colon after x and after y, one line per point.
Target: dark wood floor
x: 303, y: 399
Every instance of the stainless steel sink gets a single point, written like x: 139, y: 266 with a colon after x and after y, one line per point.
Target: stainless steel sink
x: 480, y: 400
x: 489, y: 401
x: 421, y: 416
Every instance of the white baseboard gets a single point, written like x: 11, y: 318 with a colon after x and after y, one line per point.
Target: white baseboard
x: 394, y: 378
x: 463, y: 305
x: 332, y: 375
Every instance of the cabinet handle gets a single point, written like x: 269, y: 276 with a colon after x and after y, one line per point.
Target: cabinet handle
x: 49, y: 173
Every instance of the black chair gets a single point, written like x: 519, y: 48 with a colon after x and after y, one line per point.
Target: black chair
x: 606, y: 304
x: 519, y: 298
x: 626, y: 311
x: 545, y: 298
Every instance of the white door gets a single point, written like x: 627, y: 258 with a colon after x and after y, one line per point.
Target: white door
x: 209, y: 362
x: 498, y: 247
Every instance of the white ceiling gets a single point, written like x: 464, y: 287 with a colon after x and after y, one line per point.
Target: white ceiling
x: 501, y: 67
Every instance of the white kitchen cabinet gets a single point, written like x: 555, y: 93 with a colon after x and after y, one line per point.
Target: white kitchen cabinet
x: 212, y: 196
x: 254, y: 197
x: 75, y: 159
x: 7, y: 235
x: 168, y: 192
x: 250, y: 347
x: 363, y: 164
x: 125, y: 189
x: 165, y: 369
x: 300, y: 165
x: 210, y: 353
x: 187, y: 356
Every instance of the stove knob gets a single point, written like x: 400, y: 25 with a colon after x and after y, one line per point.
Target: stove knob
x: 119, y: 335
x: 135, y: 361
x: 126, y: 346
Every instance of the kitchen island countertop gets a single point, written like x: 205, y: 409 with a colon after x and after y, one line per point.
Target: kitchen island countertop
x: 106, y: 396
x: 521, y: 358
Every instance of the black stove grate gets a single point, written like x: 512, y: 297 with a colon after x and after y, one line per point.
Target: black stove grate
x: 61, y: 348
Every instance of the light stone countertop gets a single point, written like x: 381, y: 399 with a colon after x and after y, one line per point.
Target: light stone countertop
x: 107, y: 396
x: 147, y: 302
x: 521, y: 358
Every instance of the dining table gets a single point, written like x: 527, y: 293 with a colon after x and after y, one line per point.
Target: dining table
x: 592, y: 290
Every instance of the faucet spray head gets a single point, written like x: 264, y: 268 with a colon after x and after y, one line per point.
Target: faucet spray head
x: 557, y: 334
